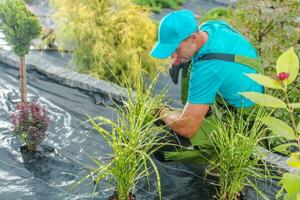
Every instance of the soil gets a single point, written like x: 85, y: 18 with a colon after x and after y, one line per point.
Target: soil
x: 115, y: 196
x: 25, y: 149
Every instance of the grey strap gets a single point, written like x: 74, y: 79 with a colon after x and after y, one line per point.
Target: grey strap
x: 218, y: 56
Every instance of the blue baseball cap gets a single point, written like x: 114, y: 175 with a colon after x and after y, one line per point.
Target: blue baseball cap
x: 173, y: 29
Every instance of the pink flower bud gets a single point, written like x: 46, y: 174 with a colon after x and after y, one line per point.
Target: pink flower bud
x: 283, y: 76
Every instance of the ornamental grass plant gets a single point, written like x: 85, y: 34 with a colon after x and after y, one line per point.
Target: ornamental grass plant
x: 133, y: 139
x: 239, y: 161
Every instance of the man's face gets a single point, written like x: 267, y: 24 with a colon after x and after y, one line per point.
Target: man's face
x: 184, y: 52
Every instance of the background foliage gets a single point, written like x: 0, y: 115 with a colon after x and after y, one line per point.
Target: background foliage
x: 157, y: 5
x: 270, y: 25
x: 109, y: 39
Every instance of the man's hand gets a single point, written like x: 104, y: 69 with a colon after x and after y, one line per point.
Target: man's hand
x: 159, y: 113
x: 186, y: 122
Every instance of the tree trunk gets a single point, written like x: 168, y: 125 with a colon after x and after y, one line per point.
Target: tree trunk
x: 22, y: 81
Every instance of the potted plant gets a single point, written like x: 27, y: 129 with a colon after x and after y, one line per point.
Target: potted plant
x: 20, y: 27
x: 30, y: 123
x: 239, y: 161
x: 133, y: 138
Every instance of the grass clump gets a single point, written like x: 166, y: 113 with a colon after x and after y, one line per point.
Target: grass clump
x: 236, y: 141
x: 133, y: 139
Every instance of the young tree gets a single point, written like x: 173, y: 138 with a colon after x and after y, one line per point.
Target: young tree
x: 20, y: 27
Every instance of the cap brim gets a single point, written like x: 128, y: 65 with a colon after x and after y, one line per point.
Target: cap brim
x: 163, y: 50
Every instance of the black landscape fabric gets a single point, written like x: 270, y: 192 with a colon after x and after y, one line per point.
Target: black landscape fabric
x: 49, y: 175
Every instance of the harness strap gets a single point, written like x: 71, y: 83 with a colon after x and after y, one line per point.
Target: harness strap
x: 250, y: 62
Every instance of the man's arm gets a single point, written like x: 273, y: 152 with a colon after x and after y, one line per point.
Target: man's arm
x: 187, y: 122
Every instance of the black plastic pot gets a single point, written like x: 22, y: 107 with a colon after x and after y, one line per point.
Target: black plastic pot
x: 115, y: 196
x: 25, y: 148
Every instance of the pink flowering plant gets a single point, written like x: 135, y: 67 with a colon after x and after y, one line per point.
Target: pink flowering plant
x: 30, y: 122
x: 287, y: 69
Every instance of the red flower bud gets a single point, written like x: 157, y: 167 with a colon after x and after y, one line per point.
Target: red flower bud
x: 283, y: 76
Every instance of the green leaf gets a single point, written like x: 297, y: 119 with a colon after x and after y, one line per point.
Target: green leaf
x: 288, y: 62
x: 294, y: 105
x: 279, y: 127
x: 291, y: 182
x: 294, y: 160
x: 264, y: 99
x: 283, y: 147
x: 298, y: 127
x: 280, y: 192
x: 266, y: 81
x: 293, y: 196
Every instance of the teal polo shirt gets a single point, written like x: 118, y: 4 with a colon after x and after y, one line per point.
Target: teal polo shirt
x: 211, y: 77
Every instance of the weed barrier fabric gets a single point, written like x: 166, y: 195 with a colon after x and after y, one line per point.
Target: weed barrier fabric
x: 49, y: 175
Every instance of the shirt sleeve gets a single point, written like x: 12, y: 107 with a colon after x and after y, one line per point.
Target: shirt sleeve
x: 204, y: 83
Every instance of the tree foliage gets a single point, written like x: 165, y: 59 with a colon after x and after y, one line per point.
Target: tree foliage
x: 19, y: 25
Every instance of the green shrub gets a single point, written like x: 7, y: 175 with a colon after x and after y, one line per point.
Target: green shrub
x: 287, y: 70
x: 157, y: 5
x: 217, y: 14
x: 107, y: 36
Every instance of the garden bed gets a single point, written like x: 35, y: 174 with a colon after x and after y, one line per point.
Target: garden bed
x: 51, y: 174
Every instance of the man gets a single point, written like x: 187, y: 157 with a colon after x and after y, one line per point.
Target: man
x: 215, y: 59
